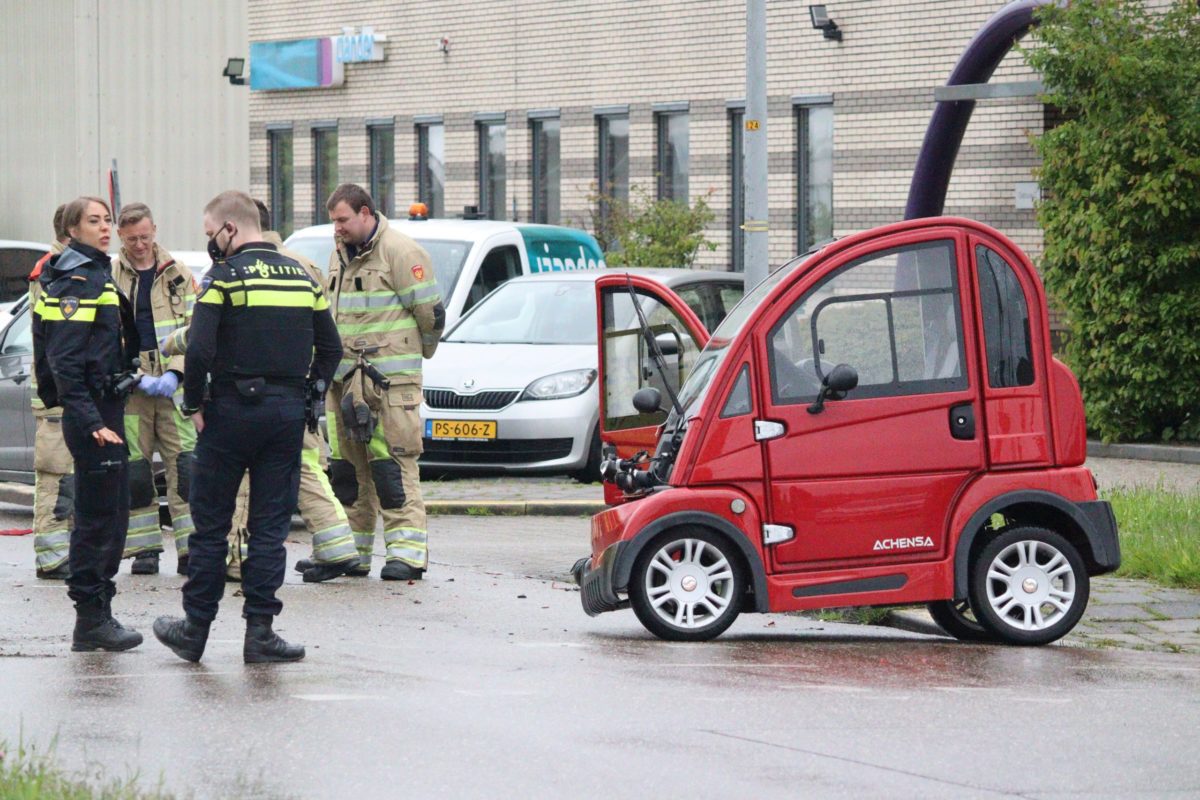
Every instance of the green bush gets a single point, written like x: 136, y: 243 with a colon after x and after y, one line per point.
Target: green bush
x: 1121, y: 214
x: 650, y: 233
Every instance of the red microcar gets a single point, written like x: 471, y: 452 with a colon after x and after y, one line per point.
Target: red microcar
x: 879, y: 422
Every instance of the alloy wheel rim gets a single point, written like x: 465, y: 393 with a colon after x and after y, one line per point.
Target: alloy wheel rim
x: 1030, y: 585
x: 689, y: 583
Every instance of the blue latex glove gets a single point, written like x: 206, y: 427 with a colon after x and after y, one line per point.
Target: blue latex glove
x: 148, y: 385
x: 166, y: 385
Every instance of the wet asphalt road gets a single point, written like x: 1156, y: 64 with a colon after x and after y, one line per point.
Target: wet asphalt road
x: 488, y: 680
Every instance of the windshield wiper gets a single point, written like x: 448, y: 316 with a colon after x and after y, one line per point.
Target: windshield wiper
x: 660, y: 361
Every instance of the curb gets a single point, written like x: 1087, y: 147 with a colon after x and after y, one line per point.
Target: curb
x: 1175, y: 454
x: 513, y: 508
x: 20, y: 494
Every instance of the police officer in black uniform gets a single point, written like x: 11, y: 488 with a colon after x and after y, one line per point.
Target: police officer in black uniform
x: 256, y: 323
x: 84, y: 345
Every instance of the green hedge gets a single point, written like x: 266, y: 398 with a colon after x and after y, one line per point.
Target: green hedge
x: 1121, y: 209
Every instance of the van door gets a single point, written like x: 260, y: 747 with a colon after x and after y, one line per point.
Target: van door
x: 626, y: 364
x: 871, y: 478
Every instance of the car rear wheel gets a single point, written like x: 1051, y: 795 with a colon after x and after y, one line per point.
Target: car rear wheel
x: 687, y: 585
x: 956, y: 618
x: 1029, y: 586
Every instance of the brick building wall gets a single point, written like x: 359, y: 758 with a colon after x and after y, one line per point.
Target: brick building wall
x: 515, y: 56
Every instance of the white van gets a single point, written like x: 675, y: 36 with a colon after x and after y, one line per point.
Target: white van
x: 473, y: 256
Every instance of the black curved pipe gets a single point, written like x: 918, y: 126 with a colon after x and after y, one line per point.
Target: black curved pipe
x: 935, y: 163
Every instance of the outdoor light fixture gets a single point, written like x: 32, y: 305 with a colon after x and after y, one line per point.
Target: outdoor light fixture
x: 234, y: 70
x: 822, y: 22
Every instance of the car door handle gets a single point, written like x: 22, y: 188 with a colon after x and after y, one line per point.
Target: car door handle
x: 18, y: 378
x: 962, y: 421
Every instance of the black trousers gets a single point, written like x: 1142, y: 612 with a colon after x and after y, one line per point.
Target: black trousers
x: 265, y: 438
x: 101, y: 505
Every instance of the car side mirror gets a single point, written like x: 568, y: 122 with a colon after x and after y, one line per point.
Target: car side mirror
x: 647, y: 400
x: 840, y: 380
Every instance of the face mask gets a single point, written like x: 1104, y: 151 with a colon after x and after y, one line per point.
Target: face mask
x: 215, y: 251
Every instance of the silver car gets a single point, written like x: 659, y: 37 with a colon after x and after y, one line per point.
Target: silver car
x: 512, y: 387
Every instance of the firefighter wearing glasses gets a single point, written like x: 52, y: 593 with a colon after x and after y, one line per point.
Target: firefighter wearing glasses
x: 386, y: 304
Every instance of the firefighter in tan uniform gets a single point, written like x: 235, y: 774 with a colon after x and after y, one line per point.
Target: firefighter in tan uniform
x: 334, y: 551
x: 53, y: 485
x: 386, y: 304
x: 163, y: 293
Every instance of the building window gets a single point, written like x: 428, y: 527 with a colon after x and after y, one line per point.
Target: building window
x: 382, y: 140
x: 612, y: 157
x: 492, y: 143
x: 431, y: 167
x: 325, y: 168
x: 671, y: 161
x: 279, y: 176
x: 737, y: 189
x: 547, y: 170
x: 814, y: 175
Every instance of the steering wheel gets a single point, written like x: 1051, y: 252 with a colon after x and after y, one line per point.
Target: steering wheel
x: 796, y: 381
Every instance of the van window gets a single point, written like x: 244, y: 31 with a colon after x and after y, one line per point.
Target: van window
x: 1005, y: 321
x: 500, y: 265
x: 893, y: 316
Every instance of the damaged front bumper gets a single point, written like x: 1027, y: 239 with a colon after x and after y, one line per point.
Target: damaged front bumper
x: 596, y: 590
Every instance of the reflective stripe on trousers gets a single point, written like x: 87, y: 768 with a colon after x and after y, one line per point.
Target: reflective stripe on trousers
x: 409, y: 545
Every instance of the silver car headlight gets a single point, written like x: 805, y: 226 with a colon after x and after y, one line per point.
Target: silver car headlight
x: 560, y: 385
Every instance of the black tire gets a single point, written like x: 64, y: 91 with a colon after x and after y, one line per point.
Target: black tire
x: 956, y: 618
x: 1029, y: 586
x: 590, y: 471
x: 662, y: 571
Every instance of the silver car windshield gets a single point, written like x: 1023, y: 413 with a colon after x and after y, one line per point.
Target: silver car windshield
x: 448, y: 257
x: 696, y: 386
x: 541, y: 311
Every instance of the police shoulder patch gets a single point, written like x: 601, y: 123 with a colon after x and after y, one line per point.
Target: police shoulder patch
x: 68, y: 306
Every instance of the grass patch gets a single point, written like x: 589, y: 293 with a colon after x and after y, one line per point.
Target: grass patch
x: 1160, y: 535
x: 26, y: 774
x: 852, y: 615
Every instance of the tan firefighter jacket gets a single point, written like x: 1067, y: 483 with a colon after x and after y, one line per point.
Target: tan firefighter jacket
x: 386, y: 295
x: 171, y: 299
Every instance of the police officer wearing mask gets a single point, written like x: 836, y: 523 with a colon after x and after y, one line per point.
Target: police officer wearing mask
x: 84, y: 343
x: 253, y: 334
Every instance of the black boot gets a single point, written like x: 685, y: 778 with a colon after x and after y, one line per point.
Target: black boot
x: 399, y: 571
x: 181, y: 565
x: 323, y: 570
x: 95, y: 629
x: 145, y: 564
x: 185, y: 636
x: 263, y: 645
x: 359, y: 570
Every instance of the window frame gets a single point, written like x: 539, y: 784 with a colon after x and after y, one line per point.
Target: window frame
x: 319, y: 132
x: 802, y: 111
x: 986, y: 320
x: 488, y: 182
x: 665, y: 159
x: 435, y: 201
x: 283, y: 211
x: 385, y: 199
x: 539, y: 179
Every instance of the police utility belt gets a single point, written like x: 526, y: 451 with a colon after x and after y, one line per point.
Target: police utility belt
x: 252, y: 390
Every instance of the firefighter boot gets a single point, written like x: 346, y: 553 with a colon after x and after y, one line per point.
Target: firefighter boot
x: 185, y: 636
x: 95, y: 629
x: 145, y: 564
x: 399, y: 571
x: 263, y: 645
x: 325, y: 570
x: 358, y: 570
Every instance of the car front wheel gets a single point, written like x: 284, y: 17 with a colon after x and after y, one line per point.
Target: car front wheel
x: 956, y: 618
x: 1029, y: 586
x: 687, y: 585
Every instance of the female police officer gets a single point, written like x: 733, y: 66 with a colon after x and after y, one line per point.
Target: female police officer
x: 83, y: 343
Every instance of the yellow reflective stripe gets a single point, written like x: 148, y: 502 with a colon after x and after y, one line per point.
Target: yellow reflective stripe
x: 81, y: 315
x: 213, y: 297
x: 266, y: 297
x: 376, y: 327
x: 321, y: 304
